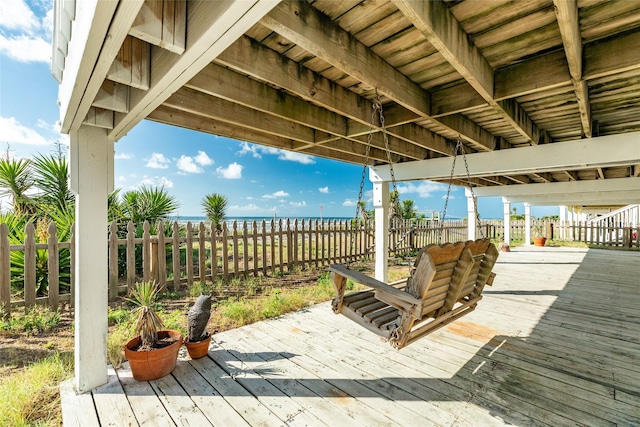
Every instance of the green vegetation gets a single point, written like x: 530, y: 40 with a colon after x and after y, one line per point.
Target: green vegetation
x: 34, y: 321
x: 215, y: 208
x: 31, y: 396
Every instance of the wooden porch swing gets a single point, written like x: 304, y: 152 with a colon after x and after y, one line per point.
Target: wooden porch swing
x: 446, y: 280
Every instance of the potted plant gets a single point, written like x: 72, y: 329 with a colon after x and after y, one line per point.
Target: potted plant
x: 154, y: 352
x: 538, y: 238
x: 198, y: 338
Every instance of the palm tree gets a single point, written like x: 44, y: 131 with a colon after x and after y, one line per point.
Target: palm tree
x: 408, y: 209
x: 394, y: 206
x: 16, y: 180
x: 51, y: 178
x: 215, y: 208
x: 151, y: 204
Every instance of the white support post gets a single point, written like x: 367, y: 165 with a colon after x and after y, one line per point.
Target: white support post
x: 527, y: 224
x: 563, y: 222
x: 507, y: 221
x: 91, y: 167
x: 381, y: 206
x: 472, y: 232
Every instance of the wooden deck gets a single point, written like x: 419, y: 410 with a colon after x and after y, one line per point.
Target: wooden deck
x: 555, y: 341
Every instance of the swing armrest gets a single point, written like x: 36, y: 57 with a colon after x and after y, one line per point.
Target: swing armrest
x: 384, y: 292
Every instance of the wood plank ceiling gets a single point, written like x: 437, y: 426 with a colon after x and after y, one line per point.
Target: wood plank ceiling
x: 499, y: 74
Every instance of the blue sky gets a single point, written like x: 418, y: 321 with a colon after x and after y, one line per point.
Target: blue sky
x: 258, y: 181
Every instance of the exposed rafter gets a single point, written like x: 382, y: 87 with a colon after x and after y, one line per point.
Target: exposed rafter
x: 442, y: 30
x: 213, y: 26
x: 568, y: 21
x: 308, y: 28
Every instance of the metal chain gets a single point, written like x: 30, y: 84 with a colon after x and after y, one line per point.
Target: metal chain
x: 446, y: 199
x: 473, y: 195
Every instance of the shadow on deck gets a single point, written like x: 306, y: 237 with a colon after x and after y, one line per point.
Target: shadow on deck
x: 554, y: 342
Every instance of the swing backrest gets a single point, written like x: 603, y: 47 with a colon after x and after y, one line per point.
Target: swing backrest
x: 433, y: 273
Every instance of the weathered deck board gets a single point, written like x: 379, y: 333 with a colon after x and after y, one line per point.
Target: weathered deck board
x: 553, y: 342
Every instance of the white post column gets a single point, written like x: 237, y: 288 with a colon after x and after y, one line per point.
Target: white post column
x: 507, y: 221
x: 381, y: 206
x: 563, y: 222
x: 472, y: 232
x: 91, y: 170
x: 527, y: 224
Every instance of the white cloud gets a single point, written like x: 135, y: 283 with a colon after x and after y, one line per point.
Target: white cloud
x: 123, y: 156
x: 202, y: 159
x: 158, y: 161
x: 301, y: 204
x: 246, y: 148
x: 276, y: 195
x: 251, y: 208
x: 25, y: 49
x: 16, y: 15
x: 24, y: 36
x: 451, y: 197
x: 423, y: 189
x: 14, y: 133
x: 157, y: 182
x: 324, y: 190
x: 233, y: 171
x: 290, y: 156
x: 187, y: 164
x: 349, y: 202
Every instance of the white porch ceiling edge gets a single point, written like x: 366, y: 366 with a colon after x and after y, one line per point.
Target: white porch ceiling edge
x: 605, y: 151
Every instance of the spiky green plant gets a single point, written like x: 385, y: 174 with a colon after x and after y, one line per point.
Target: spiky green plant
x: 16, y: 180
x: 51, y: 178
x: 215, y: 208
x: 143, y: 296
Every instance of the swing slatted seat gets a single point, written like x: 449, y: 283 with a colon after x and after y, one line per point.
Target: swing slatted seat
x: 446, y: 283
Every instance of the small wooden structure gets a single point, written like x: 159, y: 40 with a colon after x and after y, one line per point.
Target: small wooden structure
x: 446, y: 284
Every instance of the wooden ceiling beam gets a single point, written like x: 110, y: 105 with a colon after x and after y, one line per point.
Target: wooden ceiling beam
x: 443, y: 31
x: 308, y: 28
x: 112, y: 96
x: 520, y: 179
x: 170, y: 116
x: 572, y: 175
x: 251, y: 58
x: 223, y: 83
x: 568, y: 21
x: 205, y: 105
x: 212, y: 27
x: 162, y: 23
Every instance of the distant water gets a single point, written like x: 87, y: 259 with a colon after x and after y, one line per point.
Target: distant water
x: 258, y: 219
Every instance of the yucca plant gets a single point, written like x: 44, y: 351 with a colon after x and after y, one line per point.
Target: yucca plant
x: 215, y: 208
x: 143, y: 296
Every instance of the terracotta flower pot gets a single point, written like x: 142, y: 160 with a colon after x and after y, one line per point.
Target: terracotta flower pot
x: 539, y: 241
x: 198, y: 349
x: 153, y: 364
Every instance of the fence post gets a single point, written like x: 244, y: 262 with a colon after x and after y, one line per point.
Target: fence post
x: 147, y: 258
x: 113, y: 261
x: 188, y: 258
x: 53, y: 265
x: 5, y: 271
x: 236, y: 260
x: 264, y: 247
x: 225, y: 252
x: 131, y: 257
x: 72, y: 268
x: 175, y: 254
x: 302, y: 245
x: 626, y: 237
x: 201, y: 254
x: 213, y: 253
x: 161, y: 252
x: 30, y: 265
x: 254, y: 226
x: 245, y: 249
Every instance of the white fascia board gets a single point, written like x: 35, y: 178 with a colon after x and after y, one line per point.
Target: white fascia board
x: 604, y: 151
x: 560, y: 188
x: 89, y: 31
